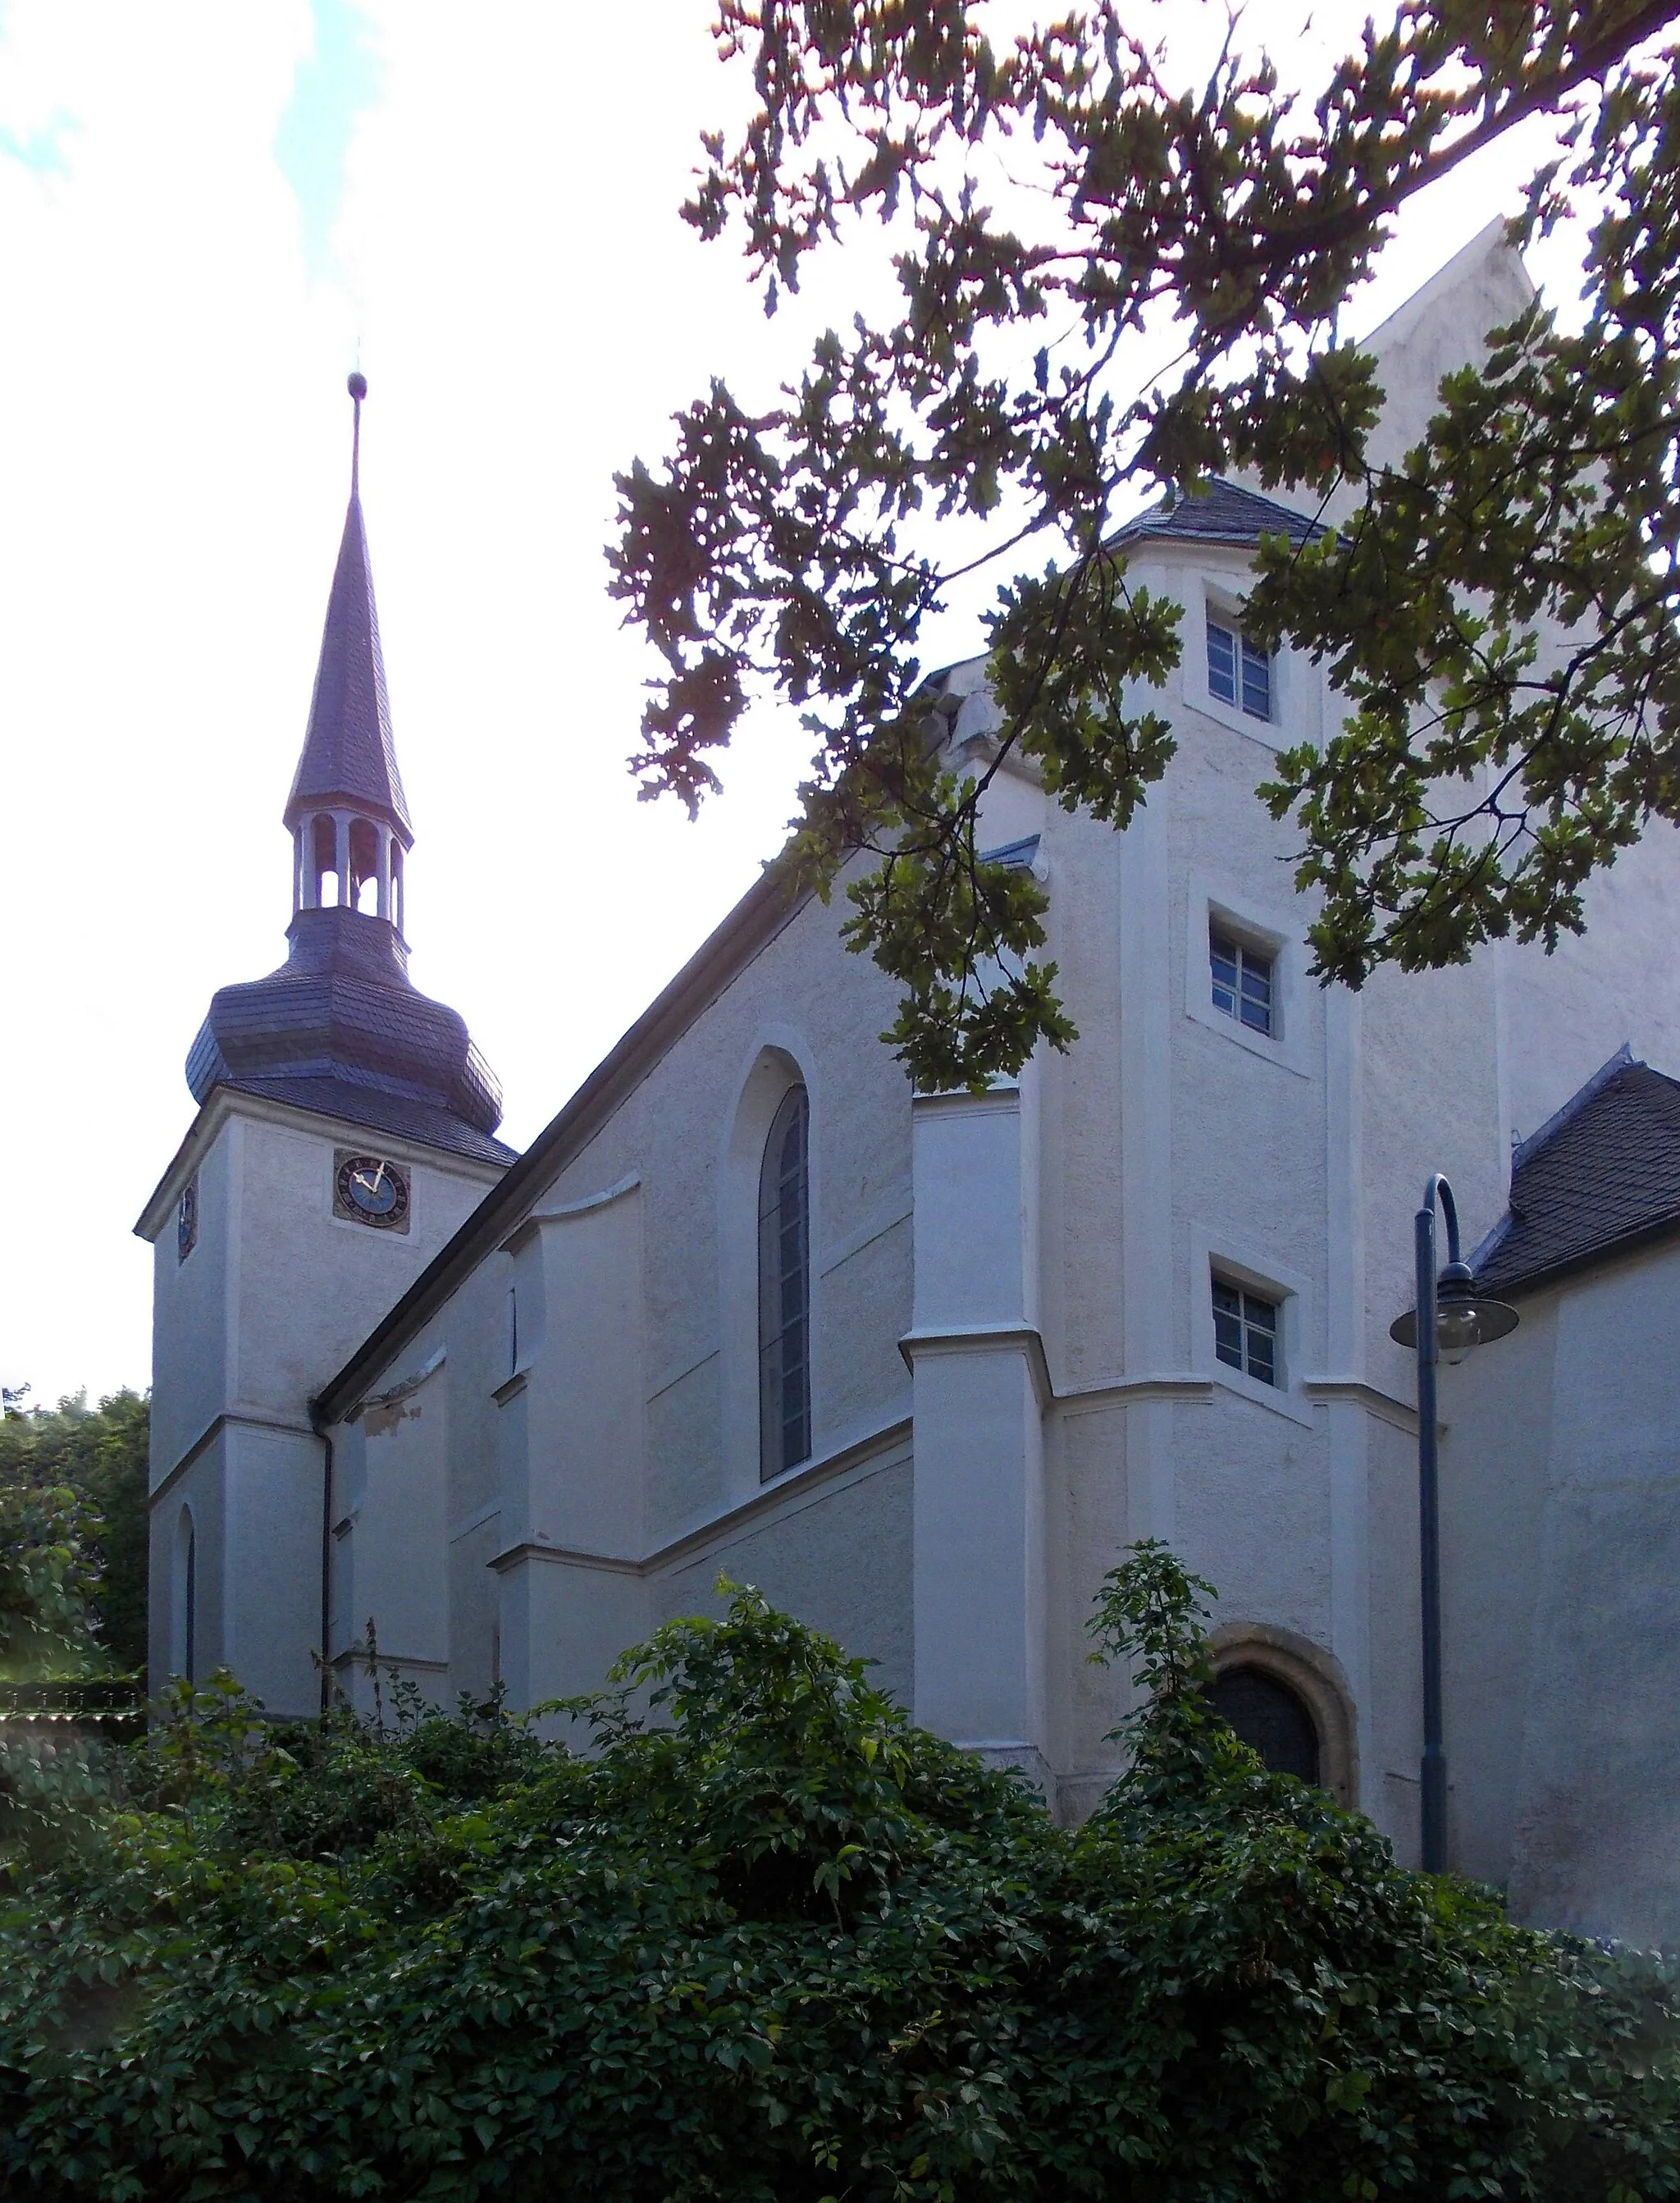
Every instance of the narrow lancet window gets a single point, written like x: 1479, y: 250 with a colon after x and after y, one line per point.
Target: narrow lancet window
x: 187, y: 1595
x: 784, y: 1290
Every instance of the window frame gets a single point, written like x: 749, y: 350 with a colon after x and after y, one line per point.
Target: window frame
x: 1298, y: 704
x: 1210, y: 907
x: 1216, y: 1256
x: 1246, y: 657
x: 1250, y: 1325
x: 1244, y: 956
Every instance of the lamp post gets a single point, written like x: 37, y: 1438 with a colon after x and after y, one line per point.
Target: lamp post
x: 1448, y: 1320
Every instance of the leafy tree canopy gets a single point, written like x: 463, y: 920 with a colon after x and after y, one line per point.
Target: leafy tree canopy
x: 86, y: 1467
x: 768, y: 1941
x: 1496, y: 610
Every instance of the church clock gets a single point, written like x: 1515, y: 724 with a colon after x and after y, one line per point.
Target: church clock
x: 371, y: 1190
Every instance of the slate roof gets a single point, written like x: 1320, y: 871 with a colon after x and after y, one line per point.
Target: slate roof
x: 1599, y: 1178
x: 363, y: 1105
x: 1226, y: 514
x: 342, y: 1008
x: 348, y: 753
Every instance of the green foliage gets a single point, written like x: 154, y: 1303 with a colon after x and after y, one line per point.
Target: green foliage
x: 72, y: 1611
x: 48, y: 1580
x: 1498, y: 613
x: 770, y: 1942
x: 99, y: 1455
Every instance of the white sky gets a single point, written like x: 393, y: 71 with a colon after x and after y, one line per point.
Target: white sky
x: 206, y: 211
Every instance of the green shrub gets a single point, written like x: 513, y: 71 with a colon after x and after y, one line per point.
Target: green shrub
x: 770, y: 1942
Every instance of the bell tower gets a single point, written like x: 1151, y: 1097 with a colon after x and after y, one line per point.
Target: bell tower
x: 346, y: 1130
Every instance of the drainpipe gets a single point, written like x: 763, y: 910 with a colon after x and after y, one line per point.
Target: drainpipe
x: 321, y: 1432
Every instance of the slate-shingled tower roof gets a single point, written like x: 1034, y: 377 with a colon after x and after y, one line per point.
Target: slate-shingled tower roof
x: 1597, y: 1179
x: 349, y: 757
x: 339, y: 1030
x: 1224, y: 513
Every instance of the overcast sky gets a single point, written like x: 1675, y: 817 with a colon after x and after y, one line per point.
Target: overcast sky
x: 207, y: 214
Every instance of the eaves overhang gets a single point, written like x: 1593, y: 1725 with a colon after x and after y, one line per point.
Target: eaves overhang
x: 226, y: 1099
x: 1602, y: 1256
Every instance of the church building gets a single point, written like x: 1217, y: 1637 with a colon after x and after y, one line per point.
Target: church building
x: 920, y: 1366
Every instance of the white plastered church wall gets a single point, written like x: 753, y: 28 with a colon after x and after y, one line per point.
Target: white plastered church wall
x: 626, y: 1439
x: 1020, y: 1282
x: 275, y: 1294
x: 1562, y: 1506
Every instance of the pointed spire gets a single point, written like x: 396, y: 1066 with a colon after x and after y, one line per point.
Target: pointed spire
x: 349, y: 759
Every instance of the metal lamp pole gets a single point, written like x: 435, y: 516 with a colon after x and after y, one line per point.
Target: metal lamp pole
x: 1449, y: 1317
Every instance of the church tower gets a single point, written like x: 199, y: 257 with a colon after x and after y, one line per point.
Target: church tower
x: 346, y: 1130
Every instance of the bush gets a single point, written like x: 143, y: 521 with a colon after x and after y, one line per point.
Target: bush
x: 98, y: 1455
x: 770, y: 1942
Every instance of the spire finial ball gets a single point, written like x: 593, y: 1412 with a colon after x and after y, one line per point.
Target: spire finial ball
x: 357, y: 386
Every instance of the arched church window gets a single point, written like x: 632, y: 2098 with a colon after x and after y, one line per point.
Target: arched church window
x: 784, y: 1290
x: 1268, y: 1716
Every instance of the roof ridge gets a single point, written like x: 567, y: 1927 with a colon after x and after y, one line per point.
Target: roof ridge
x: 1623, y: 1059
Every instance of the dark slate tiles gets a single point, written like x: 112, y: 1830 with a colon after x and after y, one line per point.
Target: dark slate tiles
x: 348, y: 753
x: 1602, y: 1174
x: 372, y: 1107
x: 1227, y: 514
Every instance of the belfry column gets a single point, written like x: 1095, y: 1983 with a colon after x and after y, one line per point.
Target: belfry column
x: 979, y: 1390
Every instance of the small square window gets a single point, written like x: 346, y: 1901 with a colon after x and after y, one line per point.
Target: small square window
x: 1241, y: 980
x: 1237, y: 671
x: 1245, y: 1331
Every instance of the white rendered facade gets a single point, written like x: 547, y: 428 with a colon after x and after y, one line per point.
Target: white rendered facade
x: 553, y: 1441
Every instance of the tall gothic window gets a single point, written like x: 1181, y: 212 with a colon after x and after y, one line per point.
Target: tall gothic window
x: 784, y: 1290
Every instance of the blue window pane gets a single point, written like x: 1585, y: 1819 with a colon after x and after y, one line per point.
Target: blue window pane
x: 1256, y: 681
x: 1222, y: 650
x: 1245, y: 1331
x: 1223, y: 961
x: 1240, y: 980
x: 1255, y: 1011
x: 1259, y: 1315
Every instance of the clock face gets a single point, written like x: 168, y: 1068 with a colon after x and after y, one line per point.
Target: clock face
x: 371, y: 1190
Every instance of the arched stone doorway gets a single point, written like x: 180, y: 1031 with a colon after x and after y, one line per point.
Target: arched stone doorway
x: 1287, y: 1697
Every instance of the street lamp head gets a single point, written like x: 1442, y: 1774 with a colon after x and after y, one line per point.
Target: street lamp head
x: 1462, y: 1318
